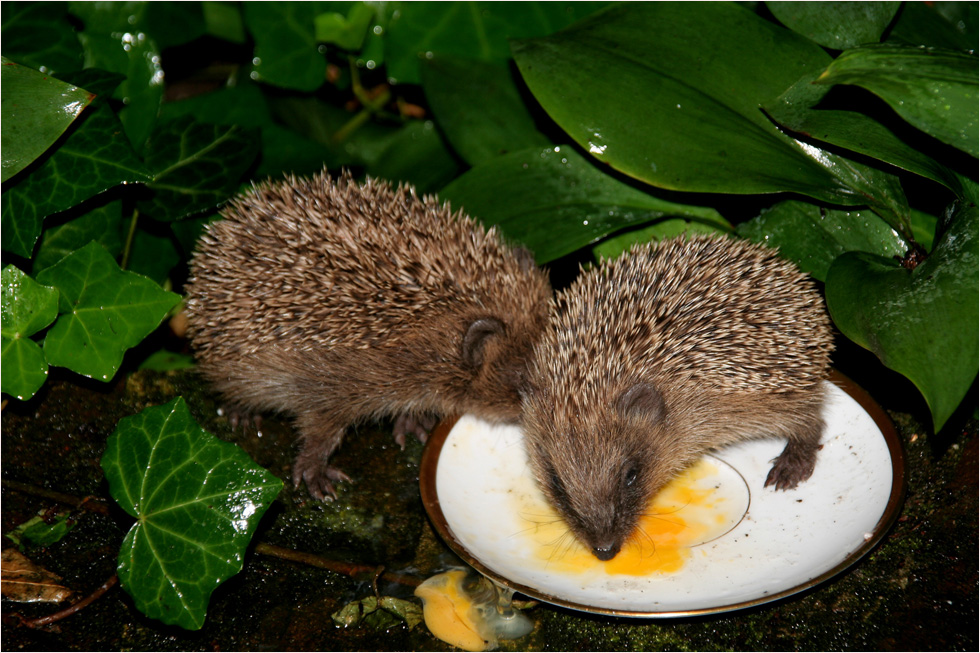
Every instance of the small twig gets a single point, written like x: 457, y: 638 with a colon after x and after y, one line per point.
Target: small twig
x: 73, y: 608
x: 346, y: 568
x: 90, y: 503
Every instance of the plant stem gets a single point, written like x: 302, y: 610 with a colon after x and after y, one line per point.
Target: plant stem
x: 74, y: 607
x: 127, y: 250
x: 346, y: 568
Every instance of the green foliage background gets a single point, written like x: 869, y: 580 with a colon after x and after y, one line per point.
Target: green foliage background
x: 845, y: 134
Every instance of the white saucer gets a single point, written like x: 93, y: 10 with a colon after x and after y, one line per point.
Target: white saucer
x: 482, y: 499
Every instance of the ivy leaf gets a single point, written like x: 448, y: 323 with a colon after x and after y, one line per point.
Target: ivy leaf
x: 346, y: 32
x: 477, y: 30
x: 116, y: 38
x: 39, y: 532
x: 934, y: 90
x: 28, y: 307
x: 812, y: 236
x: 37, y: 110
x: 691, y: 118
x: 923, y: 322
x: 38, y: 34
x: 836, y: 25
x: 95, y: 157
x: 554, y: 201
x: 102, y: 224
x: 197, y: 501
x: 286, y: 49
x: 479, y: 107
x: 195, y: 166
x: 105, y: 312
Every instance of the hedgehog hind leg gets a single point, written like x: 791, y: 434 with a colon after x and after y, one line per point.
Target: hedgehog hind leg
x: 795, y: 464
x: 320, y: 437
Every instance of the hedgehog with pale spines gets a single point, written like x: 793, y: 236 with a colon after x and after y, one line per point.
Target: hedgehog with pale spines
x: 660, y: 355
x: 335, y: 302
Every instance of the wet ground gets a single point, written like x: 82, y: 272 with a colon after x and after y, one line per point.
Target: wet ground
x: 916, y: 591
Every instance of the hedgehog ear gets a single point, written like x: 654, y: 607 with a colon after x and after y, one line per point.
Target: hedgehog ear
x: 475, y: 339
x: 642, y: 401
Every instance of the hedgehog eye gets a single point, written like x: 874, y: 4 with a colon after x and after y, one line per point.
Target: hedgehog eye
x: 630, y: 476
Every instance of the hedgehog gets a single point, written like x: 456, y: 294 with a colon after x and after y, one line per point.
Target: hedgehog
x: 336, y: 302
x: 660, y: 355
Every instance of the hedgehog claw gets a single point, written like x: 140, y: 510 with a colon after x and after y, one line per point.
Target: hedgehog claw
x: 792, y: 467
x: 318, y: 480
x: 419, y: 426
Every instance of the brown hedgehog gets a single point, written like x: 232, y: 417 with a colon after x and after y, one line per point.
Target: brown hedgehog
x: 335, y: 302
x: 660, y: 355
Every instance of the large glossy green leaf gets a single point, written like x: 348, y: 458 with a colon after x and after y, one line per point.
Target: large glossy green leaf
x: 667, y: 228
x: 38, y: 34
x: 195, y: 166
x: 479, y: 107
x: 28, y: 307
x: 554, y: 201
x: 812, y: 236
x: 836, y: 25
x: 684, y: 114
x: 852, y: 130
x: 105, y: 312
x: 923, y: 322
x: 196, y: 500
x: 477, y: 30
x: 36, y: 111
x: 934, y: 90
x: 93, y: 158
x: 286, y: 51
x: 116, y: 38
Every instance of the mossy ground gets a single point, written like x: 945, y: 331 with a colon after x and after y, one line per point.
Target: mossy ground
x: 916, y: 591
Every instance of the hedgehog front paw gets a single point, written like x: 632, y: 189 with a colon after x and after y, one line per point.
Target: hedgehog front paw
x: 250, y: 422
x: 318, y: 478
x: 793, y: 466
x: 419, y: 426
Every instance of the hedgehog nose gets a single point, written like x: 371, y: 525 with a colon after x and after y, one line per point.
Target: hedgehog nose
x: 605, y: 553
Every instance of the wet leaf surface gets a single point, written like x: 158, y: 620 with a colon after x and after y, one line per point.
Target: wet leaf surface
x: 197, y: 501
x: 37, y: 109
x: 836, y: 25
x: 95, y: 157
x: 692, y: 120
x: 28, y: 307
x: 894, y: 312
x: 934, y: 90
x: 554, y: 201
x: 812, y: 236
x: 105, y: 312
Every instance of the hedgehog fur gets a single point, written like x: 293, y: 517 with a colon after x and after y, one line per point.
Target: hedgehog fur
x: 654, y: 358
x: 335, y: 302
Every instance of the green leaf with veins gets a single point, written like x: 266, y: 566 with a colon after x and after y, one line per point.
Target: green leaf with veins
x: 105, y: 312
x: 95, y: 157
x: 195, y: 166
x: 28, y: 307
x: 197, y: 501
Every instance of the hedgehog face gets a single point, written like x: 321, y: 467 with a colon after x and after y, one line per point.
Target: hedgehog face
x: 598, y: 473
